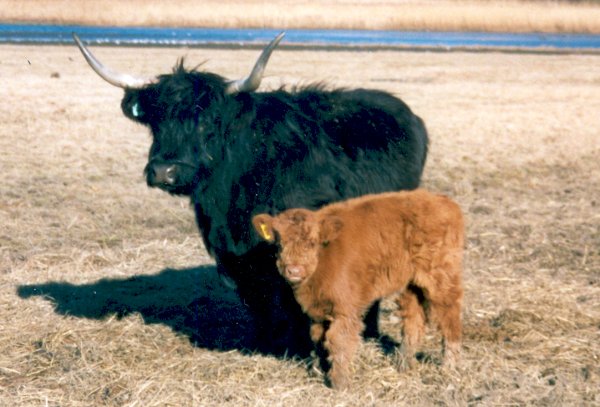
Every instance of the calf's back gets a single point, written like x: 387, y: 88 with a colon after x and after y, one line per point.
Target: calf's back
x: 387, y: 238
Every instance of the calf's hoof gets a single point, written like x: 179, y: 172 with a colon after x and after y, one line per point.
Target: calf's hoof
x: 451, y: 356
x: 404, y: 360
x: 337, y: 381
x: 314, y: 367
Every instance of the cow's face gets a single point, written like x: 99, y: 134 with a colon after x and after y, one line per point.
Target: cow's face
x: 176, y: 109
x: 301, y: 235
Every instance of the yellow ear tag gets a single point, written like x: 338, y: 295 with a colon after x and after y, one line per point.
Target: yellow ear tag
x: 265, y: 231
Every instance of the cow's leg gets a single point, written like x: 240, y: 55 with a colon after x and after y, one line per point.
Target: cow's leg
x: 371, y: 321
x: 342, y: 339
x: 281, y: 328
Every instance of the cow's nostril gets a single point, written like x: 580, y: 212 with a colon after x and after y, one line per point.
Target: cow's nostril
x: 170, y: 175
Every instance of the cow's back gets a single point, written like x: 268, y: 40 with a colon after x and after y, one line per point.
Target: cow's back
x: 370, y: 126
x: 360, y: 142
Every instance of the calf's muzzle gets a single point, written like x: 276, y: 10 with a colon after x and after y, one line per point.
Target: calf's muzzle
x: 294, y: 273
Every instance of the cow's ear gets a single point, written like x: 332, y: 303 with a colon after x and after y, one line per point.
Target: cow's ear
x: 263, y: 224
x: 330, y: 229
x: 132, y: 107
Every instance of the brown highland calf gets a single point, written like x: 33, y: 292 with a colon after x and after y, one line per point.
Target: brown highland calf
x: 343, y: 257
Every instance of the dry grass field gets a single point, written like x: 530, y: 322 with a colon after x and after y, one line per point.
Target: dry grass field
x: 436, y: 15
x: 107, y: 297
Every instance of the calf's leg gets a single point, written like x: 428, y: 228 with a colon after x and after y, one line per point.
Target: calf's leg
x: 319, y: 363
x: 341, y: 342
x: 411, y: 311
x: 443, y: 289
x: 449, y: 321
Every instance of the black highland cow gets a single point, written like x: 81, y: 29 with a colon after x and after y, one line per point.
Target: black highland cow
x: 237, y: 152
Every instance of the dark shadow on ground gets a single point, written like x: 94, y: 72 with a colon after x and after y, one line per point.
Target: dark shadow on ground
x: 193, y: 302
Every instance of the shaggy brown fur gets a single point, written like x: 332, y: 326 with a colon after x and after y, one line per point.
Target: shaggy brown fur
x: 343, y: 257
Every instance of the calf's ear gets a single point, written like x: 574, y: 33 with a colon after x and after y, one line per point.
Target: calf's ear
x: 331, y: 228
x: 263, y: 224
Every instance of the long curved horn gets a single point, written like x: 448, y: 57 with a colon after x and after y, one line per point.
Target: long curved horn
x: 252, y: 82
x: 121, y: 80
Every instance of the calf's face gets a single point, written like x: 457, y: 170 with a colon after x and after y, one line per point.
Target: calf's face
x: 301, y: 236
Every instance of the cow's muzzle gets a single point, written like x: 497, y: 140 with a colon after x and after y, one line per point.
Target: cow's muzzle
x: 161, y: 175
x: 169, y: 175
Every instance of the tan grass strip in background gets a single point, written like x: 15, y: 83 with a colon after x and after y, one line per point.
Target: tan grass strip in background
x: 443, y: 15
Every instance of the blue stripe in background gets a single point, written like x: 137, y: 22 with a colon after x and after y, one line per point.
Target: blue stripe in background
x: 61, y: 34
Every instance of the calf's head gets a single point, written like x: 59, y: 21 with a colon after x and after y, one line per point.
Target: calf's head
x: 178, y: 108
x: 301, y: 236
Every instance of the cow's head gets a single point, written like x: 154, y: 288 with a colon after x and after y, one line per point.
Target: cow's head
x: 177, y: 109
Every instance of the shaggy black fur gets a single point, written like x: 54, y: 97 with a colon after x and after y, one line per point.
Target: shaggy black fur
x: 239, y: 155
